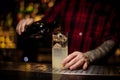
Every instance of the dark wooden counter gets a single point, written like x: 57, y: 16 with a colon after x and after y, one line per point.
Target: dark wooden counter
x: 40, y: 71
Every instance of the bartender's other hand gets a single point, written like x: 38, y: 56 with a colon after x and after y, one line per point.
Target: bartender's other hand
x: 22, y: 24
x: 75, y: 60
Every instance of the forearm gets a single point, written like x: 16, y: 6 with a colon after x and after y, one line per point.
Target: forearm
x: 101, y: 51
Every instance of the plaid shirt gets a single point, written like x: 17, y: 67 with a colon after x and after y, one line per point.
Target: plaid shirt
x: 88, y: 23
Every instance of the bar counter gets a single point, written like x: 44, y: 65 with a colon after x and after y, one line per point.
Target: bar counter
x: 44, y: 71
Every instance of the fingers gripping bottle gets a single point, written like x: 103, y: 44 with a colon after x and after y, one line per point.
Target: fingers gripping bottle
x: 39, y: 28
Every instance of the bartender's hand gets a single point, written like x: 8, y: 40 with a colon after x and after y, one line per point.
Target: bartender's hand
x: 22, y: 24
x: 75, y: 60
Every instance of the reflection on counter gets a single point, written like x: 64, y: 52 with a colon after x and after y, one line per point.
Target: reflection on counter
x: 41, y: 71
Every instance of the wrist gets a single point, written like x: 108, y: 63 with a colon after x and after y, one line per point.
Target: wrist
x: 87, y: 56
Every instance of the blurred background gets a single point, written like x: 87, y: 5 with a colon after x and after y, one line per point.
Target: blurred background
x: 13, y: 47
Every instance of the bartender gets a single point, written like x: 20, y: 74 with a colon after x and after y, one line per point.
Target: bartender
x: 91, y: 25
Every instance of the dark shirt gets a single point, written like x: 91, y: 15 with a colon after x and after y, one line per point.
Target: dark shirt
x: 88, y: 22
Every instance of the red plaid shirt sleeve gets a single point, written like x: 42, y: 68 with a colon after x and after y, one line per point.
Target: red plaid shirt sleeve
x: 88, y: 23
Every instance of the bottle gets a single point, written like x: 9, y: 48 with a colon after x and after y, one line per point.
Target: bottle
x: 39, y: 28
